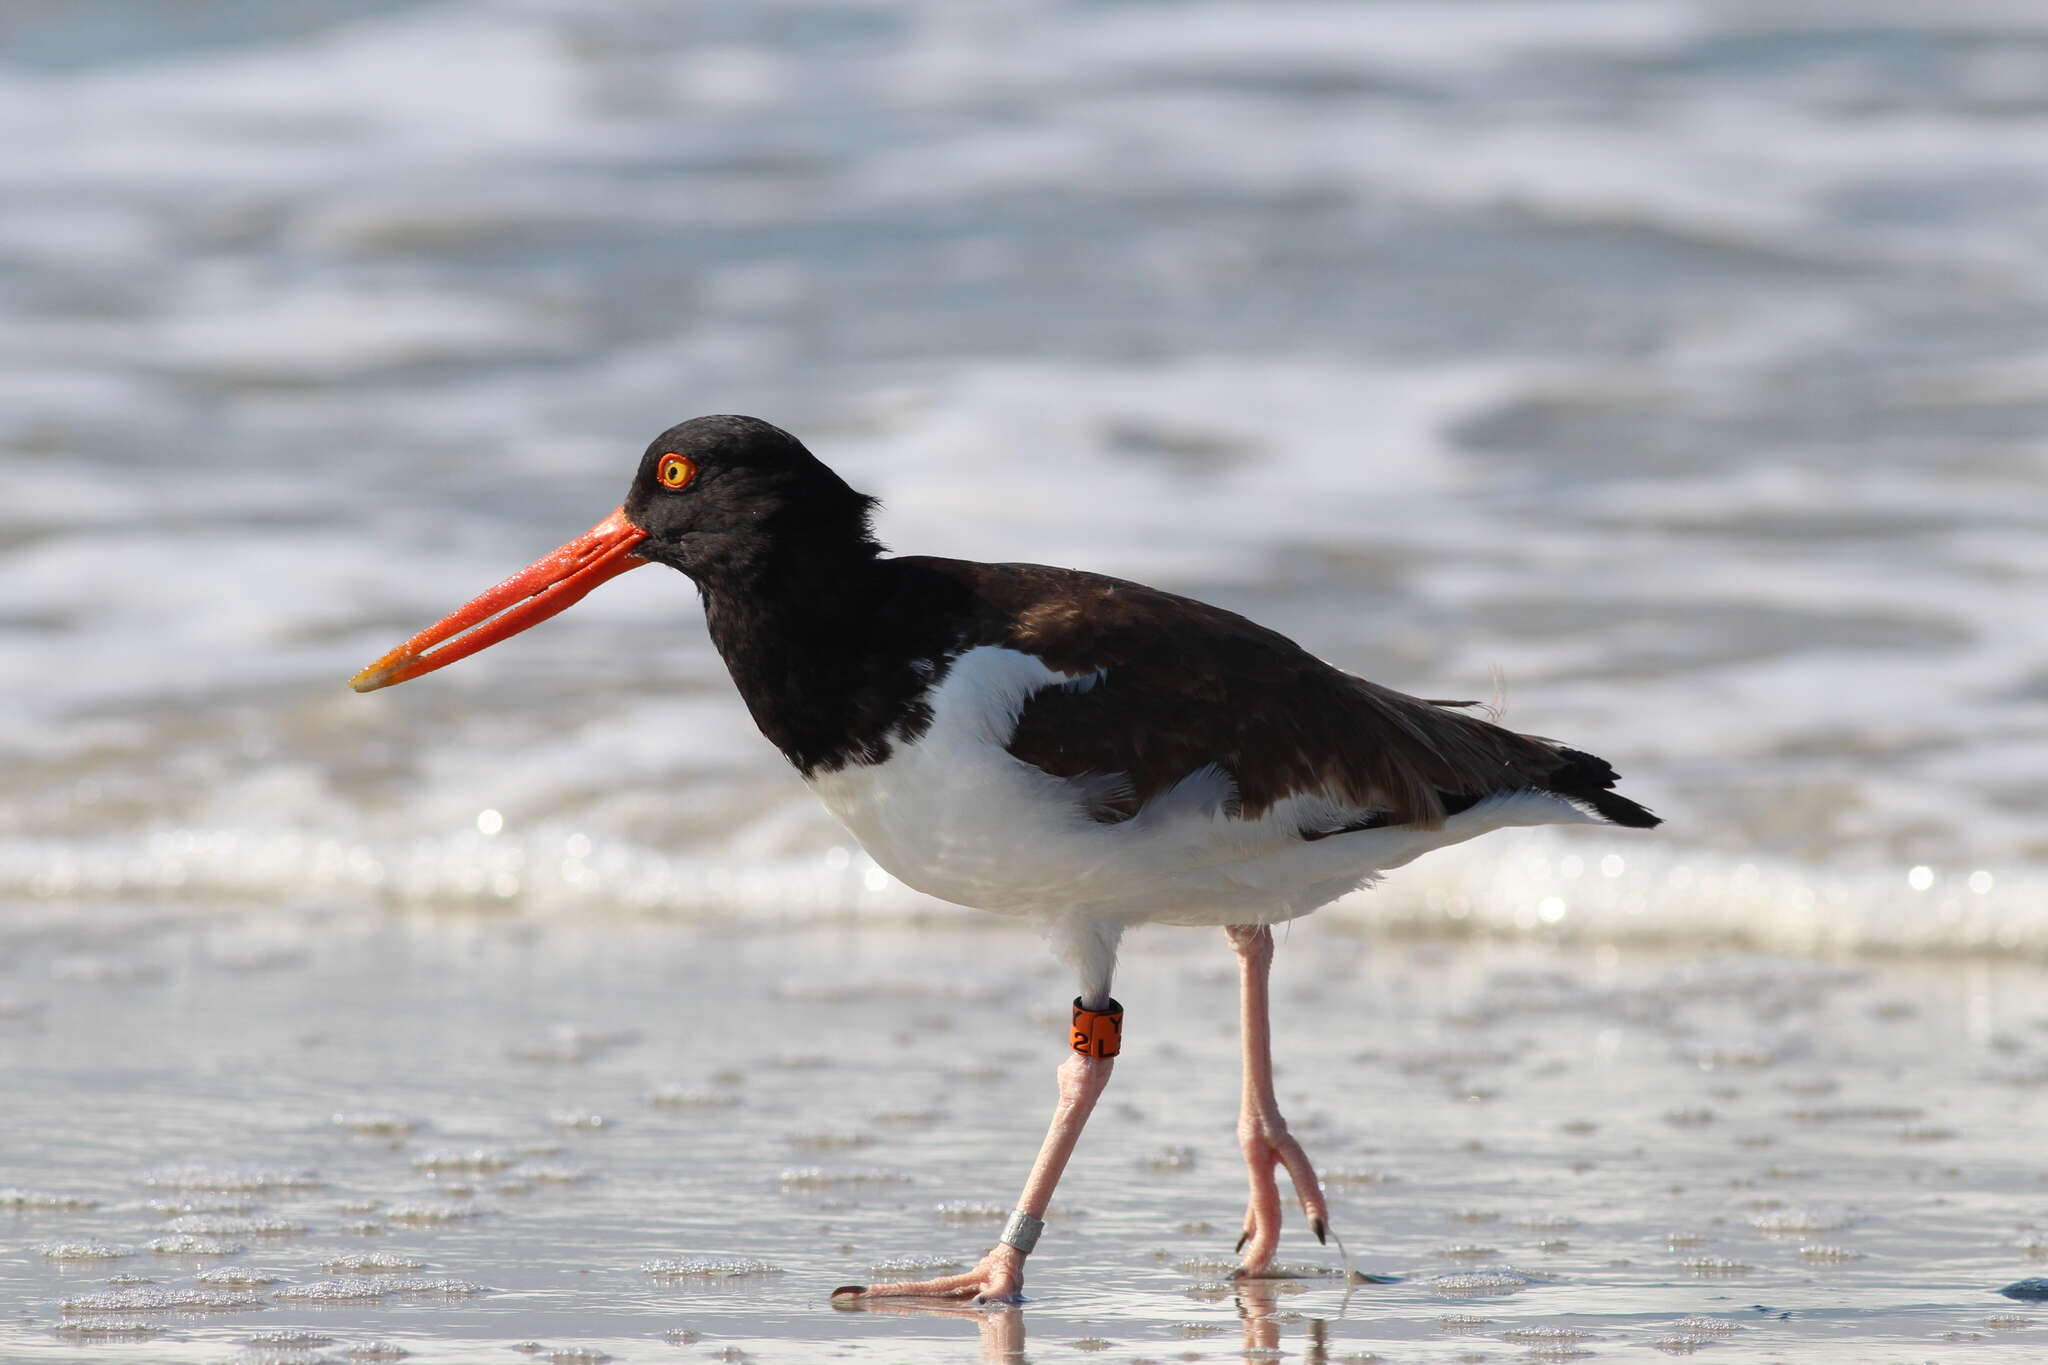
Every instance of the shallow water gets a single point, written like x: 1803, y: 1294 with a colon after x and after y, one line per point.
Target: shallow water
x: 663, y: 1143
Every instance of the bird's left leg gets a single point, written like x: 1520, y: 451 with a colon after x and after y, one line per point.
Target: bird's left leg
x: 1261, y: 1131
x: 999, y: 1277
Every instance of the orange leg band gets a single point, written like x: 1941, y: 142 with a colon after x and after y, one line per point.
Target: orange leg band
x: 1098, y: 1033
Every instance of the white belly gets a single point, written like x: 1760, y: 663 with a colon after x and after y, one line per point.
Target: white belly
x: 957, y: 817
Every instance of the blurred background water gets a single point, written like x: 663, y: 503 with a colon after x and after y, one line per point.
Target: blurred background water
x: 1676, y: 370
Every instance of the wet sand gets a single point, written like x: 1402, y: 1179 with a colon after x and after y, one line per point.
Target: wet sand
x: 343, y: 1134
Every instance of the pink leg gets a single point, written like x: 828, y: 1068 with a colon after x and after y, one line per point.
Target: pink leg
x: 1261, y: 1131
x: 999, y: 1278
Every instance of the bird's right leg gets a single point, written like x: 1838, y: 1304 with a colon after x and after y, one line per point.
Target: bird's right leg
x: 999, y: 1278
x: 1261, y: 1131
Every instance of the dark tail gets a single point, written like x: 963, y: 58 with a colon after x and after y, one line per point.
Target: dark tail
x: 1590, y: 782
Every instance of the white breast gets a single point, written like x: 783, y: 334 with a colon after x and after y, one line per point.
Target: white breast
x: 955, y: 816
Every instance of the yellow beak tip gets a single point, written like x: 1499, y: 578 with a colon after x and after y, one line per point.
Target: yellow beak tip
x: 370, y: 679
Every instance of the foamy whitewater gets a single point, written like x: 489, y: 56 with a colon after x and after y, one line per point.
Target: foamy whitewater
x: 1673, y: 374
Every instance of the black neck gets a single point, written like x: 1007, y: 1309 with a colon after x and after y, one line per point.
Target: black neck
x: 797, y: 633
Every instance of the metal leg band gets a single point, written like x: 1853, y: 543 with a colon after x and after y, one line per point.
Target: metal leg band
x: 1022, y: 1231
x: 1098, y: 1033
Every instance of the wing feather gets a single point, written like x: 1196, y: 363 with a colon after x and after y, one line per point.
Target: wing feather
x: 1179, y: 685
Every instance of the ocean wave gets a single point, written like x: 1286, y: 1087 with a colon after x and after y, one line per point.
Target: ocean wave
x: 1570, y: 888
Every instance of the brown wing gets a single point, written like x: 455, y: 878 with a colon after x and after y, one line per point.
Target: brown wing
x: 1183, y: 685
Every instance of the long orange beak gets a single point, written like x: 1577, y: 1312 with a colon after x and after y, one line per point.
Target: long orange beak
x: 552, y: 583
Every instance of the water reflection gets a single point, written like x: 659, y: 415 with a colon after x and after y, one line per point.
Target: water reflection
x: 1002, y: 1329
x: 1258, y: 1309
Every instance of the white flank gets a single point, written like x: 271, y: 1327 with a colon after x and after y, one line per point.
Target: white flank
x: 957, y: 817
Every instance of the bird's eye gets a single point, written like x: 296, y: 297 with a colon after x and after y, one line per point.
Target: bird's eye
x: 674, y: 471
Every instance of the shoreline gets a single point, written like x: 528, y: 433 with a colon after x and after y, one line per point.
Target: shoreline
x: 1534, y: 1139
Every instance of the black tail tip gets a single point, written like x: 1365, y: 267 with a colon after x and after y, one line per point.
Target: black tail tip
x: 1618, y: 810
x: 1589, y: 780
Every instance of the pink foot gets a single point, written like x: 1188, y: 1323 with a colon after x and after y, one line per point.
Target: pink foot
x: 999, y: 1278
x: 1265, y: 1152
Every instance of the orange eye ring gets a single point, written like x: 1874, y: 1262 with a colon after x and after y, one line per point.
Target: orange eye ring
x: 675, y: 471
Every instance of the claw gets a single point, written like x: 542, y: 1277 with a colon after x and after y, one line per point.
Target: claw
x: 849, y: 1290
x: 1242, y: 1238
x: 1320, y: 1229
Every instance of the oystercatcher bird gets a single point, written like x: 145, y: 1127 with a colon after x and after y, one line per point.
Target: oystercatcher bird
x: 1080, y: 750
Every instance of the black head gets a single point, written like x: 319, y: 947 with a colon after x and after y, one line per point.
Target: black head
x: 726, y: 494
x: 738, y: 505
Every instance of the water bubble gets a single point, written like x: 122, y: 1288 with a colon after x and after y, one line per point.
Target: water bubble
x: 376, y: 1123
x: 230, y: 1179
x: 915, y: 1265
x: 427, y: 1213
x: 481, y: 1160
x: 690, y: 1097
x: 1205, y: 1265
x: 1800, y: 1220
x: 114, y: 1329
x: 215, y: 1225
x: 1715, y: 1265
x: 425, y: 1284
x: 1463, y: 1322
x: 295, y: 1337
x: 160, y: 1300
x: 1708, y: 1327
x: 818, y: 1178
x: 1820, y: 1252
x: 333, y: 1291
x: 235, y: 1274
x: 555, y: 1173
x: 83, y: 1251
x: 489, y: 822
x: 1501, y: 1280
x: 189, y: 1244
x: 706, y: 1268
x: 828, y: 1140
x: 172, y: 1208
x: 372, y: 1262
